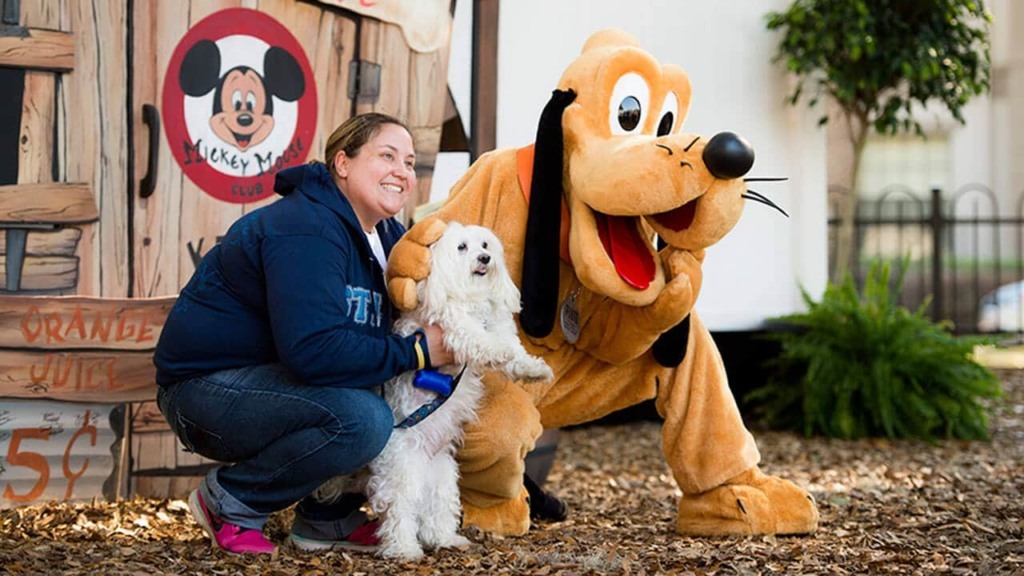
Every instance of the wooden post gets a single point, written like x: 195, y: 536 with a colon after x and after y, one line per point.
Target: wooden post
x: 484, y: 85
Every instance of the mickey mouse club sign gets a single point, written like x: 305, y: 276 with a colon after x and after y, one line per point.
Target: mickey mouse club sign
x: 239, y: 104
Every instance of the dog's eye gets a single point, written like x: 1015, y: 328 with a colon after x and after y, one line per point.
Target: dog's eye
x: 628, y: 104
x: 485, y: 245
x: 462, y: 247
x: 250, y: 101
x: 669, y: 111
x: 236, y: 100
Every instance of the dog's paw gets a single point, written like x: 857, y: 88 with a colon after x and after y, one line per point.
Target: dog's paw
x: 401, y: 551
x: 529, y: 369
x: 452, y: 541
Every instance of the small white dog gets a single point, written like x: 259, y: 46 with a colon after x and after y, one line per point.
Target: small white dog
x: 413, y: 483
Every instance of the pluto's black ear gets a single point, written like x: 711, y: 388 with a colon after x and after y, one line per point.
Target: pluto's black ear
x: 670, y: 348
x: 539, y: 284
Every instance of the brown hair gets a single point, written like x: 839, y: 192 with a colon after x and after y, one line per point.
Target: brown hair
x: 353, y: 133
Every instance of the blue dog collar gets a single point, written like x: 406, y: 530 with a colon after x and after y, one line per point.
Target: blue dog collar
x: 430, y: 407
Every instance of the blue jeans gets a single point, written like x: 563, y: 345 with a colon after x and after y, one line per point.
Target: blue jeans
x: 282, y: 438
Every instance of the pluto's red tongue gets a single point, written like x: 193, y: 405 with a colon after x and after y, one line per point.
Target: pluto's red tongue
x: 627, y: 249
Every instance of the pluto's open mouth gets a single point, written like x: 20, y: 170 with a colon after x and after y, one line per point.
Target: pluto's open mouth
x: 679, y: 218
x: 627, y: 248
x: 481, y: 270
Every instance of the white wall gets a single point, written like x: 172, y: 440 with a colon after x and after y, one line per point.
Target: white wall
x: 755, y: 272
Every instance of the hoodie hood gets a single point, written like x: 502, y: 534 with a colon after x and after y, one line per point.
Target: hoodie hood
x: 315, y: 182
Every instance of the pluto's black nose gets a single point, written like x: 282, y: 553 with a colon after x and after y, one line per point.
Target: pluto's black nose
x: 728, y: 156
x: 484, y: 258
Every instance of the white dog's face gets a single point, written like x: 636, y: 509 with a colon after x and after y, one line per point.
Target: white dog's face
x: 468, y: 263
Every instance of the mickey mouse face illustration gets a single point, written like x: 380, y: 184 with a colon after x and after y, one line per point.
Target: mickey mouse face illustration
x: 243, y: 104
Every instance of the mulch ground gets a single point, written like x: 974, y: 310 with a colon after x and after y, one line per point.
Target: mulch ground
x: 886, y: 508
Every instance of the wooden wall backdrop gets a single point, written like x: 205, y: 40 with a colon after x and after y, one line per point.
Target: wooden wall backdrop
x: 102, y: 264
x: 414, y: 89
x: 179, y: 221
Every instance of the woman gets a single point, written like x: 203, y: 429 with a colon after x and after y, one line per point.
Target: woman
x: 272, y: 353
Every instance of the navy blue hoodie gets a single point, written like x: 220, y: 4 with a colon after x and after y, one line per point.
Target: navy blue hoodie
x: 294, y: 282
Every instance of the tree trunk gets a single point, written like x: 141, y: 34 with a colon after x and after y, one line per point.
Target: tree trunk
x: 846, y: 249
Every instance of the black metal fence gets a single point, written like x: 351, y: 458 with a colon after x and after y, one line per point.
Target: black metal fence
x: 962, y: 252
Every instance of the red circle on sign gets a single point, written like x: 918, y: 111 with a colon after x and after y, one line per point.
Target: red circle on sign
x: 243, y: 108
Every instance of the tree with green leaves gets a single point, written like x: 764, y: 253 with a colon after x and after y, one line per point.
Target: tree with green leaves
x: 878, y: 60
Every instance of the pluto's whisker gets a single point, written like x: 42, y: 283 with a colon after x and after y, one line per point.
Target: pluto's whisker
x: 758, y: 197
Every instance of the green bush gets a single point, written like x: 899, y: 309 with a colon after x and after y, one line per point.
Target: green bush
x: 859, y: 365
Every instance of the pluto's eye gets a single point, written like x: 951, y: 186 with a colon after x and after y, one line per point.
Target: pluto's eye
x: 629, y: 113
x: 485, y: 245
x: 665, y: 126
x: 669, y: 111
x: 628, y: 104
x: 462, y: 247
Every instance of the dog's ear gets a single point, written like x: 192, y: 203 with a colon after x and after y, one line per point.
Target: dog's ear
x: 432, y: 291
x: 442, y: 282
x: 505, y: 289
x: 543, y: 221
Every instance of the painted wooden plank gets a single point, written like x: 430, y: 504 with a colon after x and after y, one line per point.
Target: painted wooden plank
x: 75, y: 322
x: 47, y: 203
x: 166, y: 486
x: 384, y: 44
x: 93, y: 139
x: 35, y: 141
x: 149, y: 452
x: 39, y: 50
x: 156, y: 240
x: 59, y: 242
x: 47, y: 14
x: 428, y: 94
x: 340, y: 51
x: 44, y: 273
x: 146, y: 417
x: 78, y: 376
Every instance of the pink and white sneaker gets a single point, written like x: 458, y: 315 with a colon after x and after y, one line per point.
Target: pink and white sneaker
x: 228, y: 537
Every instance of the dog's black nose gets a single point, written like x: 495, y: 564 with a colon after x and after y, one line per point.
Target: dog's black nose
x: 245, y: 120
x: 484, y: 258
x: 728, y: 156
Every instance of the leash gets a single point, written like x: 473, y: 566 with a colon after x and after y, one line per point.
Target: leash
x: 429, y: 408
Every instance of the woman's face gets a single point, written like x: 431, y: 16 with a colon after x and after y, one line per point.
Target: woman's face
x: 380, y: 177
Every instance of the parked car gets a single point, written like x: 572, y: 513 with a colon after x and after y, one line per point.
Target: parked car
x: 1002, y: 310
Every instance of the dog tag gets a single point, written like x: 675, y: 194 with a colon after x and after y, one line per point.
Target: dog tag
x: 570, y: 318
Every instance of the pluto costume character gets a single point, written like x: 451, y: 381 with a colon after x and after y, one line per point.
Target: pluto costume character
x: 577, y: 213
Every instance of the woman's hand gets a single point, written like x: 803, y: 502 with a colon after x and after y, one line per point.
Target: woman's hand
x: 436, y: 348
